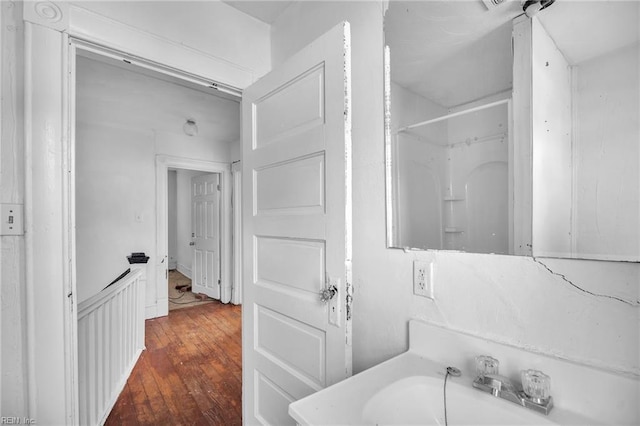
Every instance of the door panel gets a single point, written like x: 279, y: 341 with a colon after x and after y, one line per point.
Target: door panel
x: 295, y: 187
x: 271, y: 402
x: 297, y: 229
x: 295, y: 106
x: 274, y: 257
x: 205, y: 198
x: 304, y: 353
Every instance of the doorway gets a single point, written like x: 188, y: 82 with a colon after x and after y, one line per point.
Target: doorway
x: 130, y: 130
x: 194, y: 243
x: 53, y: 35
x: 194, y: 168
x: 128, y: 122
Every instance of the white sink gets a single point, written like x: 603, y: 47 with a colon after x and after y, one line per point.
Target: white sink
x: 408, y: 389
x: 418, y: 400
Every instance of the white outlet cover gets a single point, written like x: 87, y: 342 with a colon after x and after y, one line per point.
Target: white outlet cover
x: 423, y: 271
x: 420, y: 278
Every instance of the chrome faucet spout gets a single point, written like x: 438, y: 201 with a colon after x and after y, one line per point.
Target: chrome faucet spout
x: 502, y: 387
x: 498, y: 385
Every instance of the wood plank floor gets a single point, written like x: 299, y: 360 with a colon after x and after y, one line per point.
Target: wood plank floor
x: 190, y: 373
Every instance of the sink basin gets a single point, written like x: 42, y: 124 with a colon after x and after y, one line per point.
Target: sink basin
x: 408, y: 389
x: 418, y: 400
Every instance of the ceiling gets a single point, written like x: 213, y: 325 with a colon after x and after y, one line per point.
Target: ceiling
x: 584, y: 30
x: 265, y: 11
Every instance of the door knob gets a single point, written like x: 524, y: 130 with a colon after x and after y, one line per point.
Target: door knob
x: 192, y: 243
x: 328, y: 293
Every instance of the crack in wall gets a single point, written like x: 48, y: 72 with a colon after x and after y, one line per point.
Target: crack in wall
x: 633, y: 303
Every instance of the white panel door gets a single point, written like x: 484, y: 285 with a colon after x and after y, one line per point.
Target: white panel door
x: 205, y: 210
x: 297, y: 229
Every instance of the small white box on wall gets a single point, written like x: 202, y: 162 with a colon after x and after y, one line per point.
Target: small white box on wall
x: 12, y: 222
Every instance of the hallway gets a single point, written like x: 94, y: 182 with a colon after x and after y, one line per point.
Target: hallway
x: 190, y: 372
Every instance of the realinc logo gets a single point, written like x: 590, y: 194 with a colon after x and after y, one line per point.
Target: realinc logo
x: 16, y: 421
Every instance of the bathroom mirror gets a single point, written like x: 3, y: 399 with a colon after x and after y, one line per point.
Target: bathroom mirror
x: 449, y: 142
x: 456, y: 180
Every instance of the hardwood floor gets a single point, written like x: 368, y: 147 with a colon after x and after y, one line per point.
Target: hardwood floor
x: 190, y: 373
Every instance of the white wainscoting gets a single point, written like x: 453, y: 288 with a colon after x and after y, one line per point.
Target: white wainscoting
x: 110, y: 340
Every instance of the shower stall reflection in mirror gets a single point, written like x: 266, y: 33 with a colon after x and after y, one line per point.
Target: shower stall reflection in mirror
x: 453, y: 181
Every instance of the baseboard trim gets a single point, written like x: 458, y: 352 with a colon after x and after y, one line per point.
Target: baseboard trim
x: 184, y: 270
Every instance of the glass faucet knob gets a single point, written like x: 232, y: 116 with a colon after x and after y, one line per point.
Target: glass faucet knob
x: 536, y: 384
x: 486, y: 365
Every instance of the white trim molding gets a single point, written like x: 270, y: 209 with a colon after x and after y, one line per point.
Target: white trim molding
x: 236, y: 296
x: 163, y: 163
x: 100, y: 30
x: 50, y: 14
x: 50, y: 268
x: 184, y: 270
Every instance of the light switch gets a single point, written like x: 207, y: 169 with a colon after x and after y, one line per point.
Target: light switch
x: 12, y: 219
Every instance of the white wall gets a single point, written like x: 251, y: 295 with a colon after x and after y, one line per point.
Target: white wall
x: 114, y: 202
x: 236, y: 155
x: 607, y: 154
x: 124, y: 120
x: 506, y: 298
x: 172, y: 220
x: 13, y: 350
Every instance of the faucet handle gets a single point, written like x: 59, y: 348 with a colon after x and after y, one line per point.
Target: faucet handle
x: 536, y: 385
x: 486, y: 365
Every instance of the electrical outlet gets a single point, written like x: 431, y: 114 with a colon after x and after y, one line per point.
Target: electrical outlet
x: 423, y: 279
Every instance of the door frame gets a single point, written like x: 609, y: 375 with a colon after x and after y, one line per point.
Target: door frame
x: 52, y: 31
x: 236, y: 207
x: 163, y: 164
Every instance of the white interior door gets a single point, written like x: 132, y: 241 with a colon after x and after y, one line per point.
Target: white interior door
x: 297, y: 229
x: 205, y: 210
